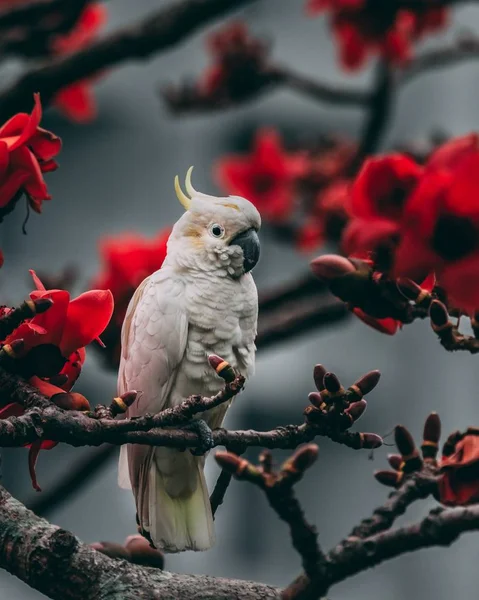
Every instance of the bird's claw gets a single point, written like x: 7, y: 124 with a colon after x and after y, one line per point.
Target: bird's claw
x: 205, y: 435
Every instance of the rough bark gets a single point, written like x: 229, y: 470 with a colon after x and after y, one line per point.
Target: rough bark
x: 56, y: 563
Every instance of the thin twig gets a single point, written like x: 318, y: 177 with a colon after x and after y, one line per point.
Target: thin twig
x: 377, y: 115
x: 159, y: 31
x: 416, y: 487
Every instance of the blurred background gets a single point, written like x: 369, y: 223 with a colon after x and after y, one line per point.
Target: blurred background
x: 116, y: 174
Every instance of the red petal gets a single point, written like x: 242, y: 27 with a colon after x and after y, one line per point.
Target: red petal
x: 383, y: 186
x: 54, y: 319
x: 460, y: 280
x: 429, y: 283
x: 29, y: 128
x: 11, y: 410
x: 361, y: 236
x: 24, y: 160
x: 72, y: 368
x: 45, y: 387
x: 36, y: 280
x: 12, y: 185
x: 77, y: 102
x: 32, y: 461
x: 388, y: 326
x: 451, y: 154
x: 87, y: 317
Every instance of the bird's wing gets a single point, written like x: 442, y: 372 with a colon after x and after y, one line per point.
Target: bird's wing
x: 154, y: 337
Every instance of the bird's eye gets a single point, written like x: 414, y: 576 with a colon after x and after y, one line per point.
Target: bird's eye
x: 216, y: 230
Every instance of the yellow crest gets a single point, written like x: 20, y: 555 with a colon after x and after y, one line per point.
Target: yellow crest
x: 182, y: 197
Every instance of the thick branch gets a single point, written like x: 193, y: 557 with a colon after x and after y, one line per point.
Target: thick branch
x: 465, y: 48
x: 35, y: 24
x: 159, y: 31
x: 416, y: 487
x: 54, y: 562
x: 441, y: 527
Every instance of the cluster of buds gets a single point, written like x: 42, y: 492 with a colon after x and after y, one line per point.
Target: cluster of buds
x: 119, y: 405
x: 383, y: 303
x: 263, y: 475
x: 448, y: 333
x: 410, y: 460
x: 239, y: 69
x: 456, y: 473
x: 339, y: 408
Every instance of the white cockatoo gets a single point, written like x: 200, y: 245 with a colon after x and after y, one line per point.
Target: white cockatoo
x: 202, y: 301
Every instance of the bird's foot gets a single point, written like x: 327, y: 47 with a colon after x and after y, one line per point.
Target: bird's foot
x: 205, y: 435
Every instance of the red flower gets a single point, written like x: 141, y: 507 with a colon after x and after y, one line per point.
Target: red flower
x: 66, y: 327
x: 459, y: 482
x: 238, y: 58
x: 128, y: 259
x: 383, y: 187
x: 441, y: 223
x: 266, y: 177
x: 60, y: 335
x: 388, y: 325
x: 77, y: 101
x: 310, y: 236
x: 26, y: 152
x: 378, y: 199
x: 361, y: 28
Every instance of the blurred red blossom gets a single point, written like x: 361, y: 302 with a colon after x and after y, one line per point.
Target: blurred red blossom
x: 365, y: 27
x: 26, y: 152
x: 266, y: 177
x: 53, y: 349
x: 127, y: 260
x: 459, y: 482
x: 238, y: 58
x: 417, y: 220
x: 77, y: 101
x: 441, y: 224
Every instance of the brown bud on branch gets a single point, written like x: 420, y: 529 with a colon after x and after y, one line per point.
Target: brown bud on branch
x: 222, y: 367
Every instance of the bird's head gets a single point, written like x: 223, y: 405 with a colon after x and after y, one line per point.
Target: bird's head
x: 214, y: 234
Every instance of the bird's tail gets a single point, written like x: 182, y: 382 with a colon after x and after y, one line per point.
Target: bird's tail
x: 173, y: 503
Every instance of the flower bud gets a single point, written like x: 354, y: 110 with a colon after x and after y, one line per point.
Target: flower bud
x: 366, y: 383
x: 222, y: 368
x: 356, y: 409
x: 318, y: 374
x: 408, y: 288
x: 389, y: 478
x: 330, y: 266
x: 404, y: 440
x: 112, y: 550
x: 237, y: 466
x: 407, y: 448
x: 120, y: 404
x: 317, y: 400
x: 332, y: 383
x: 395, y: 460
x: 303, y: 458
x: 71, y: 401
x: 142, y: 553
x: 432, y: 428
x: 439, y: 315
x: 369, y: 441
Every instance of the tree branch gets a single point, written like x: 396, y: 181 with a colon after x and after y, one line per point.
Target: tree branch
x: 159, y: 31
x: 416, y: 487
x: 54, y: 562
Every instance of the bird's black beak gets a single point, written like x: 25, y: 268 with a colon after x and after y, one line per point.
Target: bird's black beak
x: 248, y: 241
